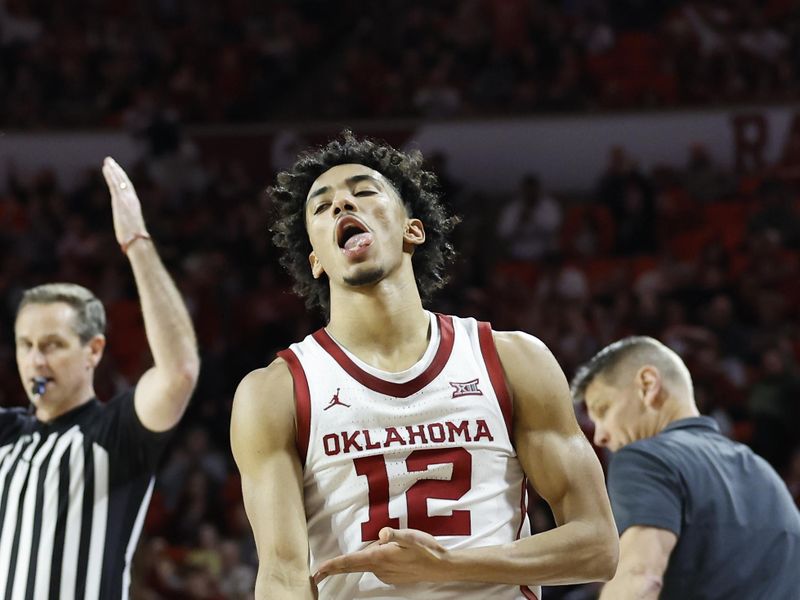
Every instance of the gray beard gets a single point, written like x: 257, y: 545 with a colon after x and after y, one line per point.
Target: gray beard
x: 365, y: 278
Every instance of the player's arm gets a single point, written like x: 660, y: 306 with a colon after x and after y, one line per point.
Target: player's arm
x: 564, y: 470
x: 163, y: 392
x: 263, y: 444
x: 643, y: 556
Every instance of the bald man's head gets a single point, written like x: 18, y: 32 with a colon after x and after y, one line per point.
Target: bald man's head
x: 622, y: 359
x: 632, y: 388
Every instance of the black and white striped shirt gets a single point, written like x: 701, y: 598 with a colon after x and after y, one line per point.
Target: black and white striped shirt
x: 73, y: 497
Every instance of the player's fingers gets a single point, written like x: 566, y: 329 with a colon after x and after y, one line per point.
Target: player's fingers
x: 346, y: 563
x: 404, y: 537
x: 386, y: 535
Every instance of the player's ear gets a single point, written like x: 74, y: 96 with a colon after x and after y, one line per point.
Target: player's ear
x: 316, y: 266
x: 414, y: 234
x: 648, y: 383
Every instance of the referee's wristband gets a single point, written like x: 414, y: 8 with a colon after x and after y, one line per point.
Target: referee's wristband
x: 136, y: 236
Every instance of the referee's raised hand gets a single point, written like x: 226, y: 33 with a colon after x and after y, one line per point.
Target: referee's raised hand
x: 125, y: 206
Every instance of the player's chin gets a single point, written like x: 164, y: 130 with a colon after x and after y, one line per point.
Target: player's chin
x: 364, y: 275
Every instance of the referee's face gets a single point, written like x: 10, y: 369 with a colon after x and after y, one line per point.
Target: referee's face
x: 48, y: 347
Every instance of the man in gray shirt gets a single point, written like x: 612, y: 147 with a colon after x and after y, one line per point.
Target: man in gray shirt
x: 699, y: 516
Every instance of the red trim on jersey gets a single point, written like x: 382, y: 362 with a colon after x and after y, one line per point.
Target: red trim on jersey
x: 302, y: 402
x: 496, y: 376
x: 523, y: 509
x: 390, y: 388
x: 528, y: 593
x: 523, y: 506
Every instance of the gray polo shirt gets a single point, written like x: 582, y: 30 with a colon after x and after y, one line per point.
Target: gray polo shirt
x: 737, y: 526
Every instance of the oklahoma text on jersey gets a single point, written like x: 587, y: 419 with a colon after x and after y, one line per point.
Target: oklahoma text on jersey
x: 449, y: 432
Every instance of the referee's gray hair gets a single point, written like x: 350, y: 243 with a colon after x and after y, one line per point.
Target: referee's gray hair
x: 608, y: 361
x: 90, y: 316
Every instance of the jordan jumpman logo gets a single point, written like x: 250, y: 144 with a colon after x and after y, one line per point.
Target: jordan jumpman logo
x: 335, y: 400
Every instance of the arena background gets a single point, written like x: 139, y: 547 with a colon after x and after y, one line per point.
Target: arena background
x: 622, y: 167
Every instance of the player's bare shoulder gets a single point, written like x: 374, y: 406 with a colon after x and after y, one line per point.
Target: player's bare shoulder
x: 537, y: 383
x: 265, y: 390
x: 523, y: 352
x: 263, y: 407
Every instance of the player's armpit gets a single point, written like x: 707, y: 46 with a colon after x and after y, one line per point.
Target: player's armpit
x: 643, y: 558
x: 263, y: 444
x: 564, y: 470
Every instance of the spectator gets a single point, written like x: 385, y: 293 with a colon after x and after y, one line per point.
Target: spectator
x: 703, y: 180
x: 773, y: 407
x: 777, y: 213
x: 530, y: 223
x: 629, y: 197
x: 238, y: 578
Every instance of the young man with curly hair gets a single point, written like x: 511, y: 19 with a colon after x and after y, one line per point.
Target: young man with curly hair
x: 387, y: 455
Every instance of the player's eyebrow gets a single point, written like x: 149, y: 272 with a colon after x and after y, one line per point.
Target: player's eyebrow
x: 365, y: 177
x: 319, y: 191
x: 350, y: 181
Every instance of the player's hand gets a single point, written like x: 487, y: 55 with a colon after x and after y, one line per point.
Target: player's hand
x: 399, y: 556
x: 125, y: 205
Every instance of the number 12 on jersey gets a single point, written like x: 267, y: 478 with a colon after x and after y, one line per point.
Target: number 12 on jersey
x: 374, y: 469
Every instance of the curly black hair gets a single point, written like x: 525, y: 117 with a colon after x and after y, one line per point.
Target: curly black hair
x: 417, y: 188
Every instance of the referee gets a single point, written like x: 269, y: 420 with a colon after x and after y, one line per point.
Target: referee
x: 76, y: 475
x: 700, y: 516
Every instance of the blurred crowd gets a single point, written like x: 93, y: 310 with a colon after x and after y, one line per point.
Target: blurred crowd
x: 700, y: 258
x: 106, y: 64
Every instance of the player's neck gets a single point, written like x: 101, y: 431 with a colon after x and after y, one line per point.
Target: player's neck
x: 385, y: 326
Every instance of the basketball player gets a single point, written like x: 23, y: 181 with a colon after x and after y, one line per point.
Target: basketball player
x: 700, y: 516
x: 387, y: 455
x: 76, y: 475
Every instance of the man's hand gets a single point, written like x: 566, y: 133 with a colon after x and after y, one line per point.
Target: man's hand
x: 125, y: 205
x: 399, y: 556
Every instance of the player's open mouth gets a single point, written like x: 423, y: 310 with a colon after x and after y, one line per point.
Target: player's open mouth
x: 352, y: 236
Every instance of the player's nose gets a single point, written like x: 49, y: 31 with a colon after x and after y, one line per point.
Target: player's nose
x: 343, y: 202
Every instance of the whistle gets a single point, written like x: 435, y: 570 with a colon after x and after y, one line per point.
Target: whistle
x: 38, y: 386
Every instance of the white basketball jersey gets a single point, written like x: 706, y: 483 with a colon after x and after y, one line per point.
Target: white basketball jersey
x: 428, y: 448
